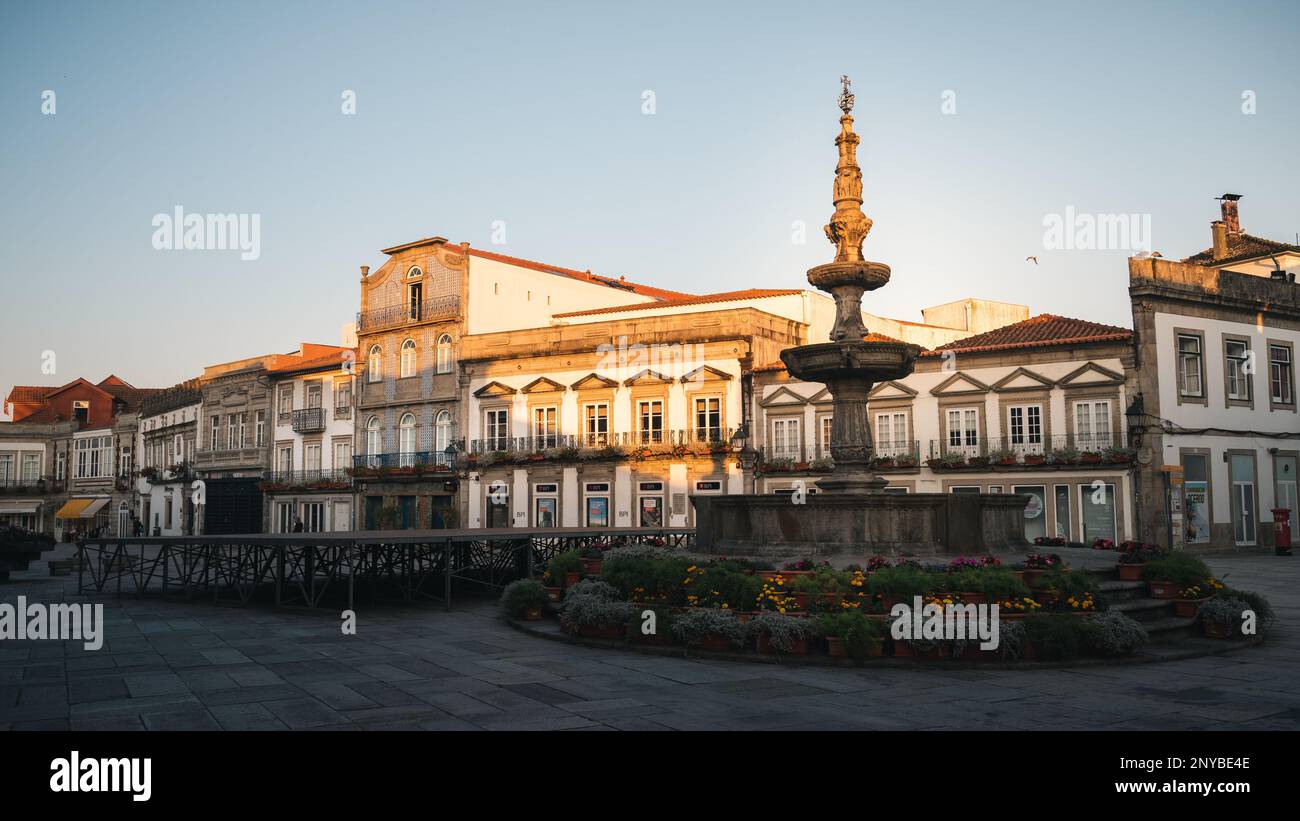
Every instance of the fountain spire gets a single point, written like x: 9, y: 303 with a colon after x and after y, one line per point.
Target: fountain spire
x: 848, y: 226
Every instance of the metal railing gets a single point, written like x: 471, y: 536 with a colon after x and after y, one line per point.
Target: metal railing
x: 14, y: 484
x: 1060, y: 447
x: 663, y: 441
x: 309, y: 477
x: 439, y: 307
x: 414, y: 459
x: 308, y: 420
x: 904, y: 455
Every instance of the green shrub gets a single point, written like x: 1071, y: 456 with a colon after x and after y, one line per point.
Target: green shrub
x: 1011, y: 639
x: 901, y: 582
x: 823, y: 580
x: 1182, y: 569
x: 593, y: 611
x: 1228, y: 611
x: 521, y: 596
x: 1263, y: 610
x: 1069, y: 582
x: 1113, y: 634
x: 857, y: 631
x: 699, y: 623
x: 594, y: 587
x: 1056, y: 638
x: 563, y: 563
x: 994, y: 583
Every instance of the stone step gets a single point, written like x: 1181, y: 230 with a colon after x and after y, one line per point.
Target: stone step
x: 1171, y: 629
x: 1145, y: 609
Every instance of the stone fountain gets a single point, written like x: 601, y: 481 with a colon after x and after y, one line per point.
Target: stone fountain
x: 852, y: 516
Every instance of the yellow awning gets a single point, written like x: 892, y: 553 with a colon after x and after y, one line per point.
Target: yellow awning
x: 72, y: 509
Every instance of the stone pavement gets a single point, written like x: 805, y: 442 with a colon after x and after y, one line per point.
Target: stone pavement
x: 195, y: 665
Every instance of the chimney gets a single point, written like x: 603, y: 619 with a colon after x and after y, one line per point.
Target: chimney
x: 1220, y: 232
x: 1228, y: 207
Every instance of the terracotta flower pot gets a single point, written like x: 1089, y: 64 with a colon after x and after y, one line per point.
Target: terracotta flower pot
x: 1131, y: 572
x: 1031, y: 575
x: 1215, y: 629
x: 591, y: 566
x: 1186, y: 608
x: 533, y: 614
x: 832, y: 599
x: 1046, y: 597
x: 570, y: 579
x: 799, y: 601
x: 555, y: 593
x: 835, y: 647
x: 1162, y: 590
x: 912, y: 652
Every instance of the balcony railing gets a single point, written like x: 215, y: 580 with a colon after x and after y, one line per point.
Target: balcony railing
x: 654, y: 441
x: 20, y: 485
x: 1070, y: 448
x: 428, y: 461
x: 309, y: 420
x: 322, y: 479
x: 440, y: 307
x: 901, y: 456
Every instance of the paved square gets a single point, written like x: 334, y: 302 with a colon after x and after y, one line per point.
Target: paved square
x: 173, y: 665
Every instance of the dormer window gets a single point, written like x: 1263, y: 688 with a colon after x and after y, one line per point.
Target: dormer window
x: 81, y: 410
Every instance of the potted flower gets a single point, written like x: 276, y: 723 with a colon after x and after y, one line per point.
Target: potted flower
x: 1111, y: 633
x: 708, y: 628
x: 825, y: 585
x: 1222, y: 617
x: 592, y: 556
x: 1133, y: 560
x: 780, y: 634
x: 1036, y: 564
x: 1002, y: 456
x: 1190, y: 599
x: 1090, y: 457
x: 1119, y: 456
x: 595, y: 617
x: 1169, y: 574
x: 1063, y: 456
x: 566, y: 568
x: 554, y: 592
x: 900, y: 583
x: 1035, y: 458
x: 1102, y: 544
x: 524, y: 599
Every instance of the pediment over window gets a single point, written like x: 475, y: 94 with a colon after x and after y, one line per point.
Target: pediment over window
x: 495, y: 389
x: 1090, y: 375
x: 542, y: 385
x: 782, y: 397
x: 822, y: 397
x: 891, y: 390
x: 647, y: 377
x: 959, y: 384
x: 594, y: 381
x: 706, y: 373
x: 1022, y: 379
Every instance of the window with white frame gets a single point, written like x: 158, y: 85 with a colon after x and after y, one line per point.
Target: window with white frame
x: 314, y: 392
x: 1281, y: 376
x: 284, y: 458
x: 824, y: 427
x: 311, y: 457
x: 32, y: 466
x: 259, y: 429
x: 1092, y: 425
x: 94, y: 457
x: 406, y: 440
x: 342, y: 393
x: 650, y: 420
x: 496, y: 427
x: 595, y: 424
x: 963, y: 430
x: 785, y: 438
x: 243, y: 430
x: 1025, y: 428
x: 7, y: 474
x: 375, y: 364
x: 444, y: 353
x: 60, y: 466
x: 286, y: 403
x: 1236, y: 355
x: 407, y: 364
x: 374, y: 441
x: 441, y: 436
x: 891, y: 434
x: 342, y: 455
x: 1191, y: 382
x: 546, y: 427
x: 214, y: 427
x: 708, y: 418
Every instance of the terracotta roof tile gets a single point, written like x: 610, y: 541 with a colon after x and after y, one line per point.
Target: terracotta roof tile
x: 29, y: 393
x: 315, y: 357
x: 1037, y: 332
x: 1241, y: 247
x: 726, y: 296
x: 585, y: 276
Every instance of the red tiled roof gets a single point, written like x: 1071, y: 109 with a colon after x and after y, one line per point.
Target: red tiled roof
x: 1037, y: 332
x: 1242, y: 247
x: 585, y: 276
x: 312, y: 358
x: 29, y: 393
x: 726, y: 296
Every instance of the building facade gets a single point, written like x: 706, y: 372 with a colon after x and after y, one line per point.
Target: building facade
x: 166, y: 445
x: 1216, y: 341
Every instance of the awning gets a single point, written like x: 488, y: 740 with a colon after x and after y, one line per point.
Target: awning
x: 19, y: 507
x: 80, y: 508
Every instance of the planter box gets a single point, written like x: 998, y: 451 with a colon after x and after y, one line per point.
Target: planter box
x: 971, y: 598
x: 1215, y: 629
x: 831, y: 599
x: 1031, y: 576
x: 533, y: 614
x: 714, y: 644
x: 799, y: 648
x: 904, y: 649
x: 555, y: 593
x: 570, y: 579
x: 1130, y: 572
x: 1186, y: 608
x: 591, y: 566
x: 1163, y: 590
x: 835, y: 647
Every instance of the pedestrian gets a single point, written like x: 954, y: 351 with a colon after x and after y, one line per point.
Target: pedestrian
x: 297, y: 524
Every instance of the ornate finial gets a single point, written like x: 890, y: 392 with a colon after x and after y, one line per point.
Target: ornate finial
x: 848, y: 226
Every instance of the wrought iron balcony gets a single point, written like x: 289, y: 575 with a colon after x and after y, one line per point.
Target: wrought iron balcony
x: 29, y: 485
x: 321, y: 479
x: 392, y: 316
x: 1061, y: 449
x: 884, y: 457
x: 632, y: 443
x: 396, y: 465
x: 309, y: 420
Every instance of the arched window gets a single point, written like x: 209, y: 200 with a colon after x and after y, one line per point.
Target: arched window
x: 414, y: 273
x: 375, y: 365
x: 408, y: 359
x: 406, y: 440
x: 374, y: 444
x: 441, y: 436
x: 444, y: 353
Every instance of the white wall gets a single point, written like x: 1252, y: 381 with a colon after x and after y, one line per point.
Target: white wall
x: 505, y: 297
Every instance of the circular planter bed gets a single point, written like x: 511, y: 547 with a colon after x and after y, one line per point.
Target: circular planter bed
x: 601, y: 631
x: 1215, y: 629
x: 1163, y: 590
x: 1186, y: 608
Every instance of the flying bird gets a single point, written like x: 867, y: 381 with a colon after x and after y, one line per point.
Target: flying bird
x: 1032, y: 259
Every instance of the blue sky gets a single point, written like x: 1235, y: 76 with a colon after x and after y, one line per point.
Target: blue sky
x: 531, y: 113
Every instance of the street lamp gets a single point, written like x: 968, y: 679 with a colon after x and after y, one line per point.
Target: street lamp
x: 1136, y: 416
x: 738, y: 438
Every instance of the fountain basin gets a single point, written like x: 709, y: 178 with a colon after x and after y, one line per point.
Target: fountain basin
x: 865, y: 362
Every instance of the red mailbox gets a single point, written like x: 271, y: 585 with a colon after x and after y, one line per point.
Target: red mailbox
x: 1282, y: 531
